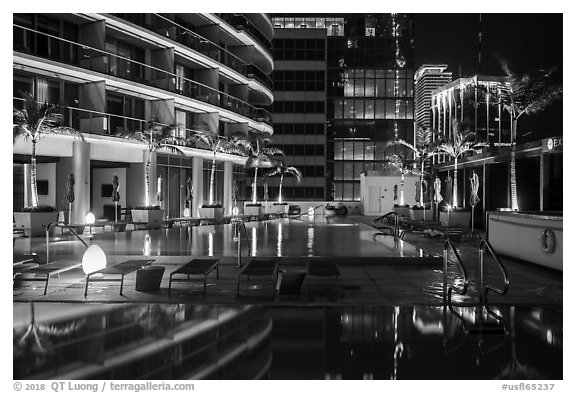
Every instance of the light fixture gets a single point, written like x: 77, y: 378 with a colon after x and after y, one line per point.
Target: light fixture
x: 311, y: 211
x: 186, y: 212
x: 90, y: 219
x: 235, y: 210
x: 93, y: 259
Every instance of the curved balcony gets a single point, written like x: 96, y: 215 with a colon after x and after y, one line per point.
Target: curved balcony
x: 184, y: 36
x: 121, y: 67
x: 240, y: 22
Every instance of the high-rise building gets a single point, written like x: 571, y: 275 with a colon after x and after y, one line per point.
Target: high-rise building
x: 428, y: 78
x: 355, y: 73
x: 114, y: 73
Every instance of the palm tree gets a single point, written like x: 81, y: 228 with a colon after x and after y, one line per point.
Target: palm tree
x: 459, y: 142
x: 406, y: 167
x: 424, y: 149
x: 33, y: 122
x: 156, y: 136
x: 281, y: 169
x: 259, y: 156
x: 216, y: 144
x: 524, y: 95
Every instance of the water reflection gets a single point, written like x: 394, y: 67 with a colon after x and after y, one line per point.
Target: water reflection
x: 175, y: 341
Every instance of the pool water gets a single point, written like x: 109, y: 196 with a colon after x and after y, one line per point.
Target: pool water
x: 186, y: 341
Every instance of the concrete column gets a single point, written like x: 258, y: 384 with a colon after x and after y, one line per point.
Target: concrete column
x: 81, y: 170
x: 544, y: 182
x: 198, y: 182
x: 227, y: 202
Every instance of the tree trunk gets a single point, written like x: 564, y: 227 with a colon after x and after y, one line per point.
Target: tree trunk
x: 33, y: 185
x: 422, y: 185
x: 455, y: 189
x: 402, y: 190
x: 254, y: 184
x: 513, y: 181
x: 280, y: 188
x: 211, y: 197
x: 147, y: 178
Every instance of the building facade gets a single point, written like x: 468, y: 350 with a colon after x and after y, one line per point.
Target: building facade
x: 114, y: 73
x: 428, y: 78
x: 367, y: 96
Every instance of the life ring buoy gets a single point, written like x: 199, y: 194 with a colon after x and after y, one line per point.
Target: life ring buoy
x: 548, y: 241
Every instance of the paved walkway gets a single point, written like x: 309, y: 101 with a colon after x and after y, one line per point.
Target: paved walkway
x: 366, y: 281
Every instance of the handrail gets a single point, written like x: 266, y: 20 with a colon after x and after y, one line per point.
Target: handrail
x: 48, y: 237
x: 239, y: 221
x: 396, y: 230
x: 447, y: 292
x: 307, y: 212
x: 484, y: 289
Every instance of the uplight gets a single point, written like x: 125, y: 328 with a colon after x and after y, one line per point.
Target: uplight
x: 186, y: 212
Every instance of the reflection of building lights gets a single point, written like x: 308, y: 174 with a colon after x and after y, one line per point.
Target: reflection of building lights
x: 280, y: 239
x: 254, y: 241
x: 210, y: 244
x: 549, y: 337
x: 310, y: 244
x: 311, y: 211
x: 147, y: 245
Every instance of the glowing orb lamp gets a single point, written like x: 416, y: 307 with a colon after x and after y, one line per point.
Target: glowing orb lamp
x: 90, y: 219
x: 311, y: 211
x: 93, y: 259
x: 235, y: 210
x: 186, y: 212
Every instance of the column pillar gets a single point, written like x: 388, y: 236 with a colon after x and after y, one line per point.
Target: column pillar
x: 81, y: 170
x: 227, y: 202
x: 198, y: 182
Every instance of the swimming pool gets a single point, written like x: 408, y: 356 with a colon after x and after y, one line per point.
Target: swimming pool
x: 186, y: 341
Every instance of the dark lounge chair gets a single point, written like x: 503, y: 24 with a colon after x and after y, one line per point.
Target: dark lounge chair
x: 45, y: 271
x: 196, y: 267
x: 259, y: 270
x: 122, y: 268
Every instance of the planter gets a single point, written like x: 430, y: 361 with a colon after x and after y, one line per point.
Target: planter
x: 417, y: 215
x: 149, y: 278
x: 211, y: 213
x: 276, y: 208
x: 457, y: 219
x: 35, y: 223
x: 153, y: 218
x: 402, y: 211
x: 254, y: 210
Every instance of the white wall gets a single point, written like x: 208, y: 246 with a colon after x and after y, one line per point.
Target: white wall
x: 386, y: 194
x: 104, y: 176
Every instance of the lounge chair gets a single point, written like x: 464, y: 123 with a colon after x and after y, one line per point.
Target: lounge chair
x: 45, y: 271
x: 322, y: 273
x: 262, y: 270
x: 196, y: 267
x: 122, y: 268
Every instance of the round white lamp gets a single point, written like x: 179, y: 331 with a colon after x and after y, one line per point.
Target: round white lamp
x: 235, y: 210
x: 90, y: 219
x: 93, y: 259
x: 186, y: 212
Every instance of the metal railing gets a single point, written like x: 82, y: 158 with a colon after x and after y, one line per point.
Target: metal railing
x: 393, y: 228
x: 72, y: 231
x: 101, y: 61
x: 240, y: 22
x: 484, y: 289
x: 238, y: 227
x: 447, y: 290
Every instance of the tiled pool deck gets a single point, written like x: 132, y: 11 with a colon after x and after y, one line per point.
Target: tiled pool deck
x: 374, y: 272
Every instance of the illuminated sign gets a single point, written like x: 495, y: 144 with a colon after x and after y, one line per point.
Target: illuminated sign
x: 552, y: 144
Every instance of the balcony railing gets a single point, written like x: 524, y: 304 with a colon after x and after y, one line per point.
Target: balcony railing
x: 111, y: 64
x: 184, y: 36
x: 240, y: 22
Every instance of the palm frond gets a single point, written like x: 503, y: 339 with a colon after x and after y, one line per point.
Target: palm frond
x: 170, y: 148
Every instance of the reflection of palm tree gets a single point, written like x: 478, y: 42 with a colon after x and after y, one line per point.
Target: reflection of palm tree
x: 156, y: 136
x: 405, y: 167
x: 524, y: 95
x: 459, y: 142
x: 33, y: 122
x: 260, y: 155
x: 424, y: 149
x: 216, y: 144
x: 281, y: 169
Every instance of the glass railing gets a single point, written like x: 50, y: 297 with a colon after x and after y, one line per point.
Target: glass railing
x: 192, y: 40
x: 240, y: 22
x: 118, y: 66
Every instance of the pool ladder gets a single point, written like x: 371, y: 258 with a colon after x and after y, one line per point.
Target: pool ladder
x: 239, y: 227
x: 484, y: 324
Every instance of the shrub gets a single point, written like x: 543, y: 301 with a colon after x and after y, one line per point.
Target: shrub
x: 39, y: 209
x: 154, y: 207
x: 213, y: 206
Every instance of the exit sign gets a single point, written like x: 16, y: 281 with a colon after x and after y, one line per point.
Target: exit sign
x: 552, y: 144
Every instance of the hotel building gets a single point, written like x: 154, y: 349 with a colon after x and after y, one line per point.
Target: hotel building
x: 428, y: 78
x: 113, y: 73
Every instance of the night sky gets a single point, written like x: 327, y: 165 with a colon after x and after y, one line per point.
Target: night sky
x: 527, y: 41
